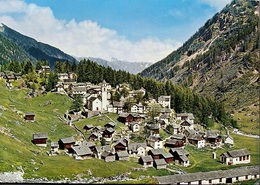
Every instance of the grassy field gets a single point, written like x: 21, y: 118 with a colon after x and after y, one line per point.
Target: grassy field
x: 17, y: 150
x: 248, y: 119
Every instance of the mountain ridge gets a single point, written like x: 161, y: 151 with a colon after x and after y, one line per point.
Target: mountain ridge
x: 220, y: 59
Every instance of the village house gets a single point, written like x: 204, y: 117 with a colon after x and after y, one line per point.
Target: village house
x: 98, y: 150
x: 108, y: 133
x: 160, y: 154
x: 213, y: 138
x: 137, y: 108
x: 174, y: 143
x: 233, y: 157
x: 88, y: 127
x: 159, y: 164
x: 146, y: 161
x: 44, y: 70
x: 108, y: 156
x: 94, y: 136
x: 29, y: 116
x: 117, y: 107
x: 81, y: 152
x: 180, y: 156
x: 165, y: 101
x: 121, y: 145
x: 40, y: 139
x: 122, y: 156
x: 185, y: 116
x: 196, y: 140
x: 229, y: 140
x: 186, y: 124
x: 137, y: 149
x: 174, y: 128
x: 154, y: 142
x: 66, y: 143
x: 110, y: 125
x: 134, y: 126
x: 154, y: 129
x: 125, y: 118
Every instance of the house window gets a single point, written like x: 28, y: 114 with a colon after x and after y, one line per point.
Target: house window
x: 220, y: 180
x: 237, y: 178
x: 210, y: 181
x: 246, y: 176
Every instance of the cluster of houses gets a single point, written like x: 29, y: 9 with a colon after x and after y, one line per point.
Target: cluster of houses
x: 153, y: 152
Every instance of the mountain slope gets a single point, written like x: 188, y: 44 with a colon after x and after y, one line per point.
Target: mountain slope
x: 37, y: 50
x: 221, y: 58
x: 131, y: 67
x: 9, y: 51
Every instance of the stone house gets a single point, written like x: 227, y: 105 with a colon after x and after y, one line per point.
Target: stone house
x: 233, y: 157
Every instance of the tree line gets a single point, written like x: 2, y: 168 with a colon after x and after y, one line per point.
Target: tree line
x: 205, y: 108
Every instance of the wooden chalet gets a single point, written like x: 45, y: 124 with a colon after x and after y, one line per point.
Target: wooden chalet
x: 154, y: 142
x: 121, y: 145
x: 161, y: 154
x: 88, y: 127
x: 93, y: 136
x: 66, y: 143
x: 122, y: 155
x: 159, y: 164
x: 108, y: 156
x: 40, y: 139
x: 146, y: 161
x: 137, y: 149
x: 125, y: 118
x: 180, y: 156
x: 81, y: 152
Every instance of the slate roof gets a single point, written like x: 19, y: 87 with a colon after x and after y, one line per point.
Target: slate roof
x: 42, y: 135
x: 54, y: 144
x: 180, y: 151
x: 68, y: 140
x: 106, y: 153
x: 192, y: 177
x: 189, y: 115
x: 122, y: 154
x: 82, y: 150
x: 135, y: 146
x: 160, y: 162
x: 237, y: 153
x: 147, y: 158
x: 178, y: 136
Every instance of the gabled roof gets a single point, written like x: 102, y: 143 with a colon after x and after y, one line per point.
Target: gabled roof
x: 178, y: 136
x: 107, y: 153
x: 160, y: 162
x: 237, y: 153
x: 179, y: 151
x: 135, y: 146
x: 153, y: 138
x: 189, y: 115
x: 29, y: 114
x: 147, y: 158
x: 68, y: 140
x: 81, y: 150
x: 112, y: 124
x: 42, y: 135
x: 157, y: 151
x: 122, y: 154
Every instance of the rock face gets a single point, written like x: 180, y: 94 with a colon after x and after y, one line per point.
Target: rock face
x: 221, y: 58
x: 11, y: 177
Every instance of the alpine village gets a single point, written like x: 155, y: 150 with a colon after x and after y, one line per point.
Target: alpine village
x: 190, y: 118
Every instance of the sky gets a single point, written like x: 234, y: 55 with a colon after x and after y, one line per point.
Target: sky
x: 130, y: 30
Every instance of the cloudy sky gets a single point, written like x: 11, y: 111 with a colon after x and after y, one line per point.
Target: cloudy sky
x: 131, y: 30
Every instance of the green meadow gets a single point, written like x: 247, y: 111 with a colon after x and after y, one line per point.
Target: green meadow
x: 17, y: 150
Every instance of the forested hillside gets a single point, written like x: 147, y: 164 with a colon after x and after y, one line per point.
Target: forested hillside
x: 220, y: 59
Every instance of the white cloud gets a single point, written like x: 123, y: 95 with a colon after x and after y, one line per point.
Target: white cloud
x: 218, y: 4
x: 86, y: 38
